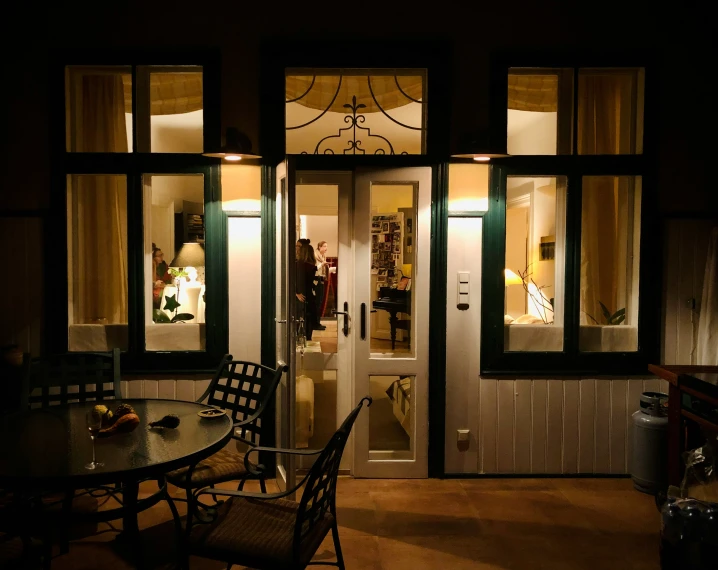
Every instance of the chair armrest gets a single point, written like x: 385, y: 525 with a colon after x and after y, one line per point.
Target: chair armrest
x: 249, y: 468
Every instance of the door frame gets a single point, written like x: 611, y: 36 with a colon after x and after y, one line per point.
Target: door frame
x: 437, y: 283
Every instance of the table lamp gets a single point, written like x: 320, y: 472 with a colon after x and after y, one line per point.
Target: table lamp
x: 190, y: 256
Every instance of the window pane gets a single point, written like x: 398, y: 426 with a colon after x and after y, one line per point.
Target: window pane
x: 176, y: 116
x: 391, y: 418
x: 535, y: 260
x: 610, y: 111
x: 610, y: 233
x: 468, y: 187
x: 98, y: 104
x: 393, y: 250
x: 355, y: 111
x: 174, y: 262
x: 540, y: 104
x: 97, y: 262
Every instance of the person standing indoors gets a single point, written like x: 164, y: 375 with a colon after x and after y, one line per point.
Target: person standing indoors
x: 322, y: 276
x: 306, y: 282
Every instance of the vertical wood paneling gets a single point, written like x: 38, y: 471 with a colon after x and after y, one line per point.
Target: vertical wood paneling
x: 570, y: 426
x: 151, y: 388
x: 135, y: 389
x: 554, y: 427
x: 185, y: 390
x: 199, y: 387
x: 586, y: 425
x: 124, y: 388
x: 619, y: 391
x: 635, y: 388
x: 686, y: 262
x: 539, y: 406
x: 506, y: 438
x: 488, y: 420
x: 166, y: 389
x: 602, y: 426
x: 523, y: 422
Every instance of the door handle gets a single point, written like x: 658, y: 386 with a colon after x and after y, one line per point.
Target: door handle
x: 279, y: 322
x: 345, y: 312
x: 363, y: 321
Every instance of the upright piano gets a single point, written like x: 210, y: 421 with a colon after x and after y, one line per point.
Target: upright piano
x: 395, y: 301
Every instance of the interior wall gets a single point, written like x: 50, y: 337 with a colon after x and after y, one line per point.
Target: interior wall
x: 324, y: 228
x: 244, y: 259
x: 531, y: 132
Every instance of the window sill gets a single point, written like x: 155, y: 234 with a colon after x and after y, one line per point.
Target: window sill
x: 162, y: 337
x: 549, y: 338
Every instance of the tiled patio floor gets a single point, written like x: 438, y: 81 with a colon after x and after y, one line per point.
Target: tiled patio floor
x: 480, y: 524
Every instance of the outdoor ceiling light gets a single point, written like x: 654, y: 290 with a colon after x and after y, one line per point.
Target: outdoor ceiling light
x: 480, y: 148
x: 236, y: 147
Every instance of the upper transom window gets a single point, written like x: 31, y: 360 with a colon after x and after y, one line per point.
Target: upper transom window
x: 355, y: 111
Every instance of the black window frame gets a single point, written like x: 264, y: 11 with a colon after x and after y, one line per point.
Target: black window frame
x: 494, y: 360
x: 134, y: 165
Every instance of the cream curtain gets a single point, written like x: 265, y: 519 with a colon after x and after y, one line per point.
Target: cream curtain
x: 603, y: 127
x: 99, y: 219
x: 319, y: 92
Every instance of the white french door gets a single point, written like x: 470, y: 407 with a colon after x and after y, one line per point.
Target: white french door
x: 392, y: 232
x: 285, y: 311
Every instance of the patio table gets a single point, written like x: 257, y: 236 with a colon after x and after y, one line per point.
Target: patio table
x: 47, y: 450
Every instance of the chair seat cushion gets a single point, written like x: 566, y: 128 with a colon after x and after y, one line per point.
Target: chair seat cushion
x: 257, y: 533
x: 225, y: 465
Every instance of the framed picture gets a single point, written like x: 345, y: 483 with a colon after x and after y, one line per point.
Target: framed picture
x: 384, y: 227
x: 381, y: 278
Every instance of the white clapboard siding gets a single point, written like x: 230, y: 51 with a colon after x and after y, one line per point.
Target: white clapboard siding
x: 187, y: 388
x: 558, y: 426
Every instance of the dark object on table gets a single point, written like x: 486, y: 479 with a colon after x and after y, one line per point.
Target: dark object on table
x: 395, y: 301
x: 689, y: 535
x: 291, y: 532
x: 169, y: 421
x: 124, y: 424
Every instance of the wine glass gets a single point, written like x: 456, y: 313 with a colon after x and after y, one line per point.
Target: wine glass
x: 93, y: 422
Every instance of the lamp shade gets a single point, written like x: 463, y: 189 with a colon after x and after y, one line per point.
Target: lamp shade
x: 480, y: 147
x: 190, y: 255
x: 511, y: 278
x: 236, y: 146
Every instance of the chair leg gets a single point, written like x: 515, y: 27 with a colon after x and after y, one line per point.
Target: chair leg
x: 337, y: 546
x: 263, y: 485
x: 64, y: 529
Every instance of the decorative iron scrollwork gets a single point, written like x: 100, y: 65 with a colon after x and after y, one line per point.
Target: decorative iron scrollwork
x: 355, y: 123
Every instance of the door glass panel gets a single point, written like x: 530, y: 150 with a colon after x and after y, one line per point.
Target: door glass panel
x: 317, y: 266
x: 535, y: 262
x: 391, y: 417
x: 610, y: 239
x: 393, y: 250
x: 97, y: 262
x: 174, y: 262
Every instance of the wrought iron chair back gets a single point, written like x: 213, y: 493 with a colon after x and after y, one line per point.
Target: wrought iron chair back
x: 72, y: 377
x: 320, y: 489
x: 244, y: 389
